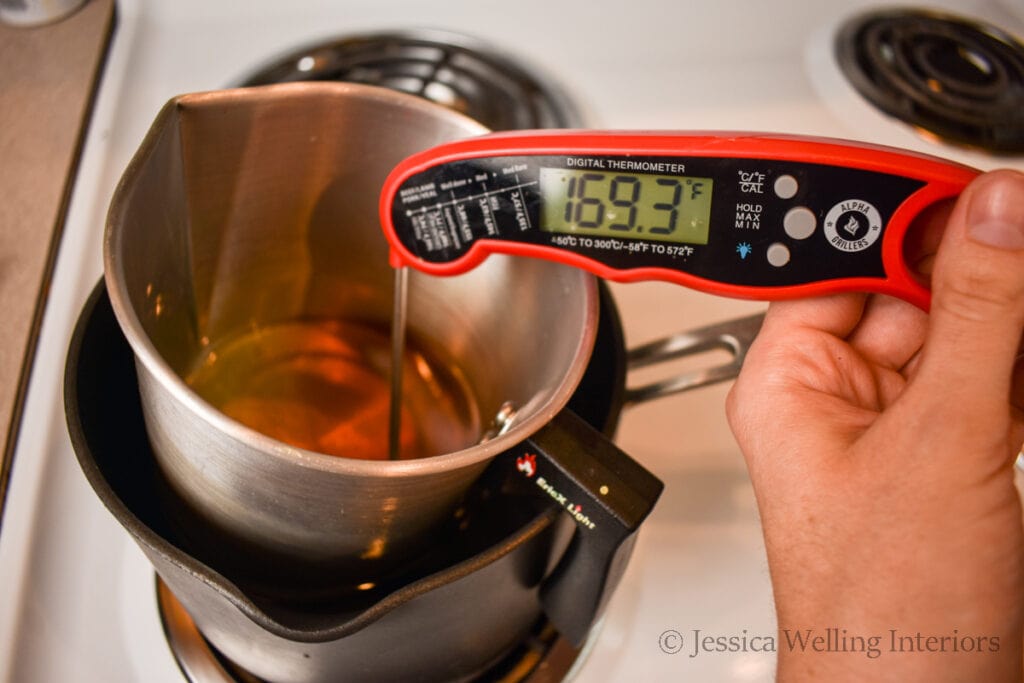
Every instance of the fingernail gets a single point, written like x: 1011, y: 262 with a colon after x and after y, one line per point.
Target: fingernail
x: 995, y: 215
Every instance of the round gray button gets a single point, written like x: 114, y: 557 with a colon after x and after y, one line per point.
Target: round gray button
x: 786, y: 186
x: 778, y: 254
x: 799, y: 223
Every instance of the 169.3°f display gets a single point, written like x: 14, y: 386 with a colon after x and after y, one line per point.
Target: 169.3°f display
x: 626, y: 205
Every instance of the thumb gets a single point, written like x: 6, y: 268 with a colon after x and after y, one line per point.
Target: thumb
x: 977, y: 312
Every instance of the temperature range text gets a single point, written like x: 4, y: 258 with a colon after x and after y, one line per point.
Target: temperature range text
x: 612, y: 244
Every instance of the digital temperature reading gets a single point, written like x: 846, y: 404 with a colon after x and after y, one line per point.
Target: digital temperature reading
x: 760, y: 216
x: 626, y: 205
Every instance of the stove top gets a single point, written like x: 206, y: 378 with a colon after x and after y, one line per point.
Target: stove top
x: 81, y: 601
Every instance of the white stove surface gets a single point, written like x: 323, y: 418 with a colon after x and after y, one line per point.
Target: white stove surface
x: 79, y: 602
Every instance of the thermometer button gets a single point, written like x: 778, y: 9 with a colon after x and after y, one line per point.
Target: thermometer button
x: 778, y: 254
x: 799, y: 223
x: 786, y: 186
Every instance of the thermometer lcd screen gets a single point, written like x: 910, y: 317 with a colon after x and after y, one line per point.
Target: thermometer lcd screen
x: 626, y: 205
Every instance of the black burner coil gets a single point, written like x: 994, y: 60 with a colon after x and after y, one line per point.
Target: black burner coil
x: 957, y: 79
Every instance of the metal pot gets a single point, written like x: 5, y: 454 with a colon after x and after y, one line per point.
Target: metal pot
x: 247, y: 208
x: 499, y: 565
x: 256, y: 207
x: 445, y: 617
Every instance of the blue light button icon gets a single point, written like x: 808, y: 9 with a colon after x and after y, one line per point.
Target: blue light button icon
x: 744, y: 249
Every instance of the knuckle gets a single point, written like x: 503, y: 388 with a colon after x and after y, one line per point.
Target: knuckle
x: 981, y: 291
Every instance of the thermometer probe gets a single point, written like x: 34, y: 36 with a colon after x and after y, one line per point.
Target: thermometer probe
x: 744, y: 215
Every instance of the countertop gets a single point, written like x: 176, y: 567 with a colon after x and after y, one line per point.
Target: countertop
x: 49, y: 78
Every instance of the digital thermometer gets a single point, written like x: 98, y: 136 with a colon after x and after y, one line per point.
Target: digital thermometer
x: 744, y: 215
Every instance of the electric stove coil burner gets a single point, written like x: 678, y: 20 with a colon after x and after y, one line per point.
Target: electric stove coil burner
x: 957, y: 79
x: 542, y: 657
x: 452, y: 70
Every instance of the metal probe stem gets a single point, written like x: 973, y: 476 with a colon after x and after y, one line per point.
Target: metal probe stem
x: 398, y: 325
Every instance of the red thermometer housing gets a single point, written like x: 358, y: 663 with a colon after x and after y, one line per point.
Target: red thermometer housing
x: 743, y: 215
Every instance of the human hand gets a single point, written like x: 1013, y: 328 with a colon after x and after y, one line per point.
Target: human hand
x: 880, y: 442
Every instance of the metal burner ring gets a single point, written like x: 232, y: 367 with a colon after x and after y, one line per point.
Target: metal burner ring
x: 462, y: 73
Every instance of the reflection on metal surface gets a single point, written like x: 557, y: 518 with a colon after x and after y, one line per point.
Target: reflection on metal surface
x: 194, y: 656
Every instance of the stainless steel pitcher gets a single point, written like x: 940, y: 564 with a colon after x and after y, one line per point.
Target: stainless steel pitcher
x: 246, y: 208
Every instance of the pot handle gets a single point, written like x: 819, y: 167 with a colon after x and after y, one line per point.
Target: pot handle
x: 733, y: 336
x: 607, y: 494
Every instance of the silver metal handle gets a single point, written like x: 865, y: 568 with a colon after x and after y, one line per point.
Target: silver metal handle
x: 733, y: 336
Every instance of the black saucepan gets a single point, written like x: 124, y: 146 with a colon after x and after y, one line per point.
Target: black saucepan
x: 508, y: 556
